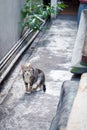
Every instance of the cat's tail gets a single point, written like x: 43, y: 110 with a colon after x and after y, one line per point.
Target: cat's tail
x: 44, y: 88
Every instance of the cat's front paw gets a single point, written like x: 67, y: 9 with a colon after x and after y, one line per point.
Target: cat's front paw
x: 28, y: 92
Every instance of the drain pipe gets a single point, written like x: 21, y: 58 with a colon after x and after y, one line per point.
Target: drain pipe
x: 19, y: 54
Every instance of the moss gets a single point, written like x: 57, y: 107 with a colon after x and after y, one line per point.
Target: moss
x: 78, y: 70
x: 83, y: 63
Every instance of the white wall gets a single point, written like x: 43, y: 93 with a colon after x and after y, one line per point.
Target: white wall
x: 9, y: 24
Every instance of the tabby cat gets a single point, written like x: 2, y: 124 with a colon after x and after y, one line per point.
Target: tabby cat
x: 34, y: 78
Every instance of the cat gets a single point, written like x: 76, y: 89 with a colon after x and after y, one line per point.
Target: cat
x: 34, y: 78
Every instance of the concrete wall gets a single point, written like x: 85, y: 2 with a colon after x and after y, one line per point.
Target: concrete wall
x: 9, y: 24
x: 54, y: 3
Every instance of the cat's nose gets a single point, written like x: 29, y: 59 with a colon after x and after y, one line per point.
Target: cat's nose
x: 27, y: 74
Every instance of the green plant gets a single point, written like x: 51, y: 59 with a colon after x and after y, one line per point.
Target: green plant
x: 34, y: 13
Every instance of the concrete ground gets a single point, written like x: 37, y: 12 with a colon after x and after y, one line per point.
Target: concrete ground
x: 51, y: 52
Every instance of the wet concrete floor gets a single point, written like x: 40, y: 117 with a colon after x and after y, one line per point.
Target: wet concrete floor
x: 51, y: 52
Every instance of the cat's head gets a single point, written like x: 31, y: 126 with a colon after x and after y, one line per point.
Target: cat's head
x: 27, y: 70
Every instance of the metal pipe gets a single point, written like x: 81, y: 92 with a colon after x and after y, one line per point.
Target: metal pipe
x: 13, y: 50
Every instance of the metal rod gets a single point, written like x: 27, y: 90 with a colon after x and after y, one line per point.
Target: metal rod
x: 14, y: 49
x: 24, y: 36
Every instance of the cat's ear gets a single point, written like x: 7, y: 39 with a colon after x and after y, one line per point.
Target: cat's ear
x: 30, y: 65
x: 22, y: 67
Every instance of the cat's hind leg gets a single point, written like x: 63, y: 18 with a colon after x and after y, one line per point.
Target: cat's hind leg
x: 39, y: 88
x: 36, y: 84
x: 36, y: 87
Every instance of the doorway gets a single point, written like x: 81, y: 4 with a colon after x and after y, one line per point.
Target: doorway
x: 72, y: 7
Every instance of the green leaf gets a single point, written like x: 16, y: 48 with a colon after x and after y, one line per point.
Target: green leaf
x: 61, y: 5
x: 34, y: 13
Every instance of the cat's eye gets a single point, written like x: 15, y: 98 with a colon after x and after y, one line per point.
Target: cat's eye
x: 31, y: 70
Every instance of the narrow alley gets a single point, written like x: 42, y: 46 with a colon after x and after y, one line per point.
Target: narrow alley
x: 51, y: 52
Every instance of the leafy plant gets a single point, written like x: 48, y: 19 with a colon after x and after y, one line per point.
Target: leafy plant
x: 34, y: 13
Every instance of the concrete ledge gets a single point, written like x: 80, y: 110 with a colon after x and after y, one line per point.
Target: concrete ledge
x: 78, y: 116
x: 67, y: 96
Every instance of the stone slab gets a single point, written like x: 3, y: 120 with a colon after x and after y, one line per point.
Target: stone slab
x: 78, y: 115
x: 68, y: 93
